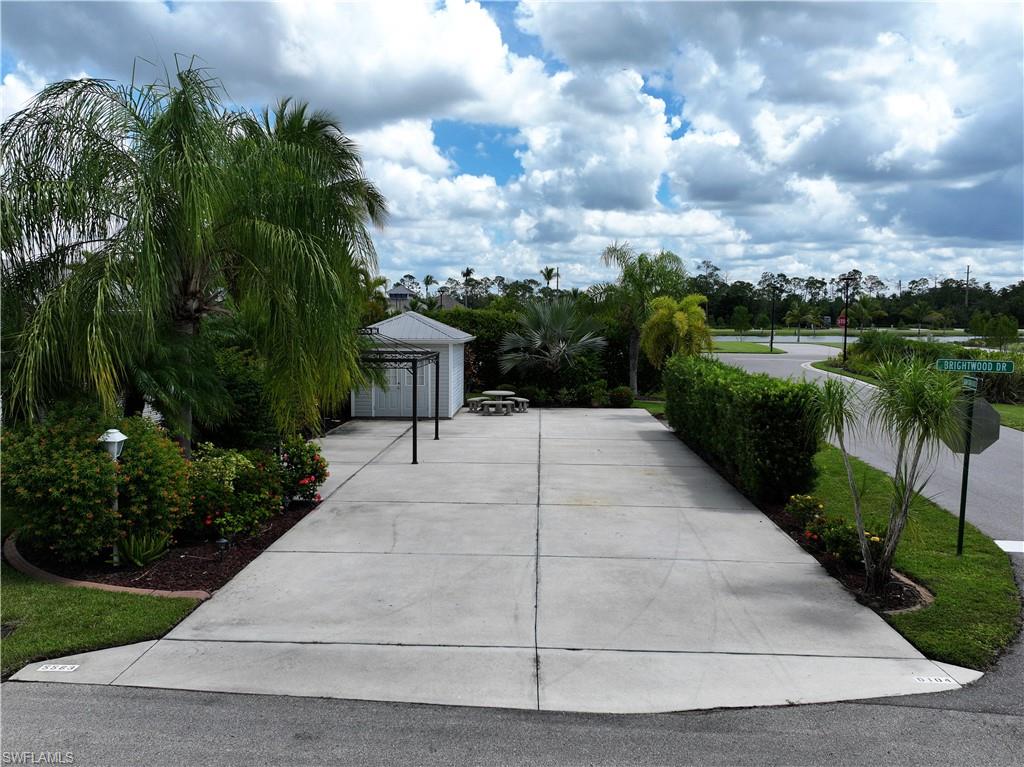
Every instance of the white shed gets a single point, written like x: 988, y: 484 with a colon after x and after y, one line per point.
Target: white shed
x: 395, y: 399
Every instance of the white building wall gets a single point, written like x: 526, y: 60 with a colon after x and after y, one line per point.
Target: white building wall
x: 457, y: 368
x: 368, y: 404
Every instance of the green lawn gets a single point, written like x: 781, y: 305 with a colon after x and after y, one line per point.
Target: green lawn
x: 976, y: 611
x: 744, y: 347
x: 840, y: 371
x: 50, y: 621
x: 1011, y: 416
x: 654, y: 407
x: 852, y: 333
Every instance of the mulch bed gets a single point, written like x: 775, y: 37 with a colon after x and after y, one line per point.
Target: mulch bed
x: 899, y: 596
x: 186, y: 567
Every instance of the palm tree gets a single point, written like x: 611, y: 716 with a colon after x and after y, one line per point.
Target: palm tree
x: 916, y: 409
x: 794, y: 316
x: 675, y: 327
x: 429, y: 280
x: 138, y: 212
x: 468, y: 285
x: 871, y: 309
x: 642, y: 277
x: 548, y: 273
x: 918, y: 313
x: 552, y: 335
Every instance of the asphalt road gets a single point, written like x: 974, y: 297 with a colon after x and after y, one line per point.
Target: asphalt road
x: 995, y: 502
x: 980, y: 725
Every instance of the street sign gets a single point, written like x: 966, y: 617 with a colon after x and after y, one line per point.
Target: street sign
x: 974, y: 366
x: 842, y: 322
x: 979, y: 428
x: 970, y: 383
x: 984, y: 429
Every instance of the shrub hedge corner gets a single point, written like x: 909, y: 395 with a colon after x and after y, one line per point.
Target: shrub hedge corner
x: 762, y: 431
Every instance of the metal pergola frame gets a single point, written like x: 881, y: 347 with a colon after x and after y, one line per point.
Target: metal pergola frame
x: 392, y: 354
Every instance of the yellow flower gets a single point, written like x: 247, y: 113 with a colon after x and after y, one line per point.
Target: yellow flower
x: 875, y: 539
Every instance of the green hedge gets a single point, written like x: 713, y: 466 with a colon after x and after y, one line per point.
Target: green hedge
x: 489, y: 326
x: 759, y: 430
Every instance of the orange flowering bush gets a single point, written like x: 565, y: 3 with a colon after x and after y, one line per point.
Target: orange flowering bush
x: 153, y: 480
x: 60, y: 485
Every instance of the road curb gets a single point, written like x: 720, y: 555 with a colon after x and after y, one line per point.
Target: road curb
x: 19, y: 563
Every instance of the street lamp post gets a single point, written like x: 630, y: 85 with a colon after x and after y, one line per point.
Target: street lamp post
x: 771, y: 338
x: 846, y: 280
x: 113, y: 442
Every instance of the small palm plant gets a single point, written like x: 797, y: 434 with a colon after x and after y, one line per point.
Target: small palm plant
x: 675, y: 327
x: 552, y: 335
x: 915, y: 408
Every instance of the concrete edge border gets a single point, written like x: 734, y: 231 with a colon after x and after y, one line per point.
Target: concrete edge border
x: 19, y: 563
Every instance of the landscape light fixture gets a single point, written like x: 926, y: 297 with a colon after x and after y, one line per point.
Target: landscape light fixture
x: 846, y: 279
x: 222, y: 546
x: 113, y: 442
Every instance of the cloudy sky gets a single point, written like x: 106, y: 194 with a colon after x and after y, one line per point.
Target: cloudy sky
x: 803, y: 138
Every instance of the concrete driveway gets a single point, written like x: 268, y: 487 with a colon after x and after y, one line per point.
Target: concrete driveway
x: 578, y: 560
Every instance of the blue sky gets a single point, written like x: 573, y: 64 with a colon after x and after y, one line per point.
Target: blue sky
x: 805, y: 138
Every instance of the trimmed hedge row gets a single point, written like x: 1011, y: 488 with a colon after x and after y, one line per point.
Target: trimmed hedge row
x: 762, y: 431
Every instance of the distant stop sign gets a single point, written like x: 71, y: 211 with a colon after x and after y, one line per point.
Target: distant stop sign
x: 842, y: 322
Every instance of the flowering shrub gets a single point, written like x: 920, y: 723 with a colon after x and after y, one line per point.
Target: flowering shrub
x: 803, y: 508
x: 621, y: 396
x: 233, y: 493
x: 59, y: 484
x: 839, y: 539
x: 153, y: 479
x: 303, y: 467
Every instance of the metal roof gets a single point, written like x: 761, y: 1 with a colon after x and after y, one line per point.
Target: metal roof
x: 413, y: 326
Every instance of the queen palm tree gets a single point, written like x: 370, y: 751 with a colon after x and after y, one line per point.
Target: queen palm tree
x: 429, y: 280
x: 917, y: 313
x: 548, y: 273
x: 135, y: 212
x: 552, y: 335
x: 642, y: 277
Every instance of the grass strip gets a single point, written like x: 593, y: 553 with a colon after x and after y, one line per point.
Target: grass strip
x: 744, y: 347
x: 1011, y: 415
x: 976, y: 612
x: 651, y: 406
x: 49, y: 620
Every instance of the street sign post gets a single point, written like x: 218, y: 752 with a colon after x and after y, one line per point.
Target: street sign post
x: 979, y: 430
x: 974, y: 366
x: 980, y: 427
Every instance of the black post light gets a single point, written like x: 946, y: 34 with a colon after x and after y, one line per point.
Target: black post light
x: 846, y: 279
x: 771, y: 339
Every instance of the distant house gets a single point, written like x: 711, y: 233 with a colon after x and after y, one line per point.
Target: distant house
x: 394, y: 400
x: 447, y: 301
x: 399, y: 297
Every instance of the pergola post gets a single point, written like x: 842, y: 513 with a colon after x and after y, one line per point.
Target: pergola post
x: 415, y: 396
x: 437, y: 396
